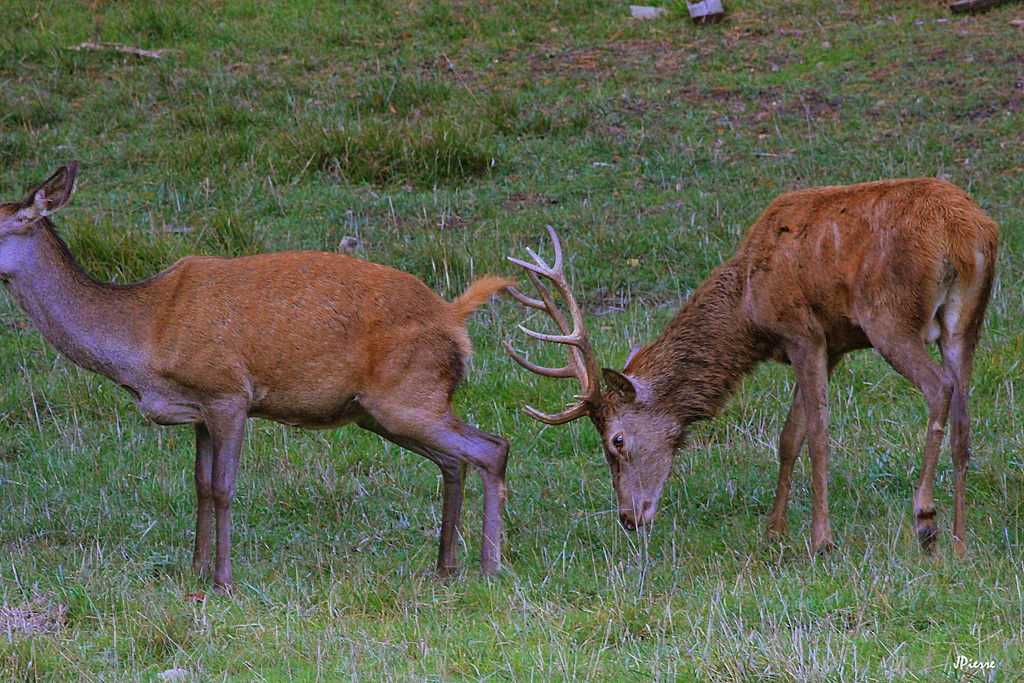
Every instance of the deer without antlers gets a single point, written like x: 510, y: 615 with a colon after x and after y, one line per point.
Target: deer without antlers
x: 309, y: 339
x: 893, y: 265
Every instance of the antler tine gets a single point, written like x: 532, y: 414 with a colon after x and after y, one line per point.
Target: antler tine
x: 567, y: 371
x: 577, y: 411
x: 523, y: 299
x: 582, y: 360
x: 572, y: 339
x: 540, y: 261
x: 541, y: 267
x: 557, y: 268
x: 545, y: 303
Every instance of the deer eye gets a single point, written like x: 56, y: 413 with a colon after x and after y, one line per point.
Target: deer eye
x: 617, y: 441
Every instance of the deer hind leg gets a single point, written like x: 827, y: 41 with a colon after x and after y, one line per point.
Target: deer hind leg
x: 450, y: 437
x: 961, y: 329
x: 957, y: 357
x: 488, y: 454
x: 453, y: 473
x: 907, y: 355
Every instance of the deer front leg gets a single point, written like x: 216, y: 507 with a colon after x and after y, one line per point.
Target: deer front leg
x: 790, y: 442
x: 204, y: 500
x: 811, y: 367
x: 794, y: 433
x: 227, y: 430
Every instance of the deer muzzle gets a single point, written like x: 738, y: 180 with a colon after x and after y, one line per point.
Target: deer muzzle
x: 641, y: 513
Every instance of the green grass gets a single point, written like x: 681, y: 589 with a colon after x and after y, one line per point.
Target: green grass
x: 445, y: 136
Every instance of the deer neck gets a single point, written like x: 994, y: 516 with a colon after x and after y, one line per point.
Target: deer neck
x: 96, y: 325
x: 693, y: 367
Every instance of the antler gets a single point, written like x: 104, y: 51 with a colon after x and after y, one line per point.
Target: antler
x: 582, y: 360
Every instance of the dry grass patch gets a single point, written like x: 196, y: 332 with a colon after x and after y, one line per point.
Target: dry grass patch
x: 40, y: 615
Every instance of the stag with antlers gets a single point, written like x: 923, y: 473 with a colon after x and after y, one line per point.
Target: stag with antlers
x: 892, y: 265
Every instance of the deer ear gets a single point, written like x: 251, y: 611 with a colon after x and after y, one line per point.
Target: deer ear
x: 619, y: 383
x: 53, y: 194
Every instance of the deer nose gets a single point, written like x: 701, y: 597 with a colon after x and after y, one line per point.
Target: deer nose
x: 632, y: 518
x: 627, y: 520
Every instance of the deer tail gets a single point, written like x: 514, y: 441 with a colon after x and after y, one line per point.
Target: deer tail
x: 971, y: 236
x: 478, y: 293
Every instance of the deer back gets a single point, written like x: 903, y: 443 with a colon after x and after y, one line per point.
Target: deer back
x: 309, y: 324
x: 841, y: 254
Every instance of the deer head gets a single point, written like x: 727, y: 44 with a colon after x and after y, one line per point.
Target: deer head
x: 639, y: 437
x: 18, y: 220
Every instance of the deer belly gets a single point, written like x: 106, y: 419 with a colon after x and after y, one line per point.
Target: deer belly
x: 323, y: 414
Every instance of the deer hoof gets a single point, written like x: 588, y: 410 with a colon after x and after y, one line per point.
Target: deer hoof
x: 446, y: 573
x: 776, y: 528
x: 927, y: 530
x: 823, y: 544
x: 927, y: 535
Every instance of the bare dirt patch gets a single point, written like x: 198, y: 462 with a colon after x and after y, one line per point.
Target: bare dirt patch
x: 516, y: 199
x: 658, y: 57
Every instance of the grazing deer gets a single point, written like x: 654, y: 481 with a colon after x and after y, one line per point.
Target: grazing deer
x: 304, y: 338
x: 894, y: 265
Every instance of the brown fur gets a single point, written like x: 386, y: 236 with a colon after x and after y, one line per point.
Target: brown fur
x: 477, y: 294
x: 708, y: 347
x: 890, y: 232
x: 304, y: 338
x: 892, y: 265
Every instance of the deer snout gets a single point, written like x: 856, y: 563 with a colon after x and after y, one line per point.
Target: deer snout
x: 627, y: 520
x: 631, y: 518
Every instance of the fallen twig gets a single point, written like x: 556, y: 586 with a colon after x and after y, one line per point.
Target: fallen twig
x: 128, y: 49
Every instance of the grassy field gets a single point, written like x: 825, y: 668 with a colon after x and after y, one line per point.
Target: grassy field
x: 444, y: 136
